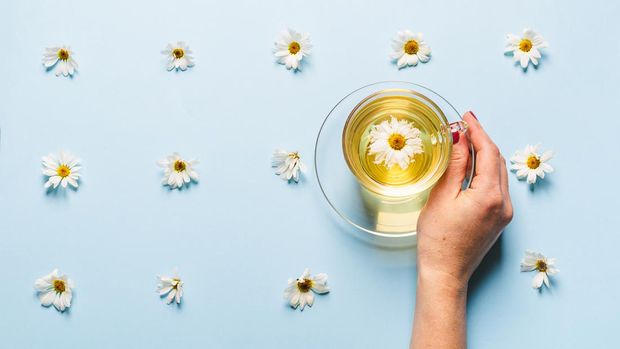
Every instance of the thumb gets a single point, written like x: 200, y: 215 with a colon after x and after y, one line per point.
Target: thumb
x: 452, y: 180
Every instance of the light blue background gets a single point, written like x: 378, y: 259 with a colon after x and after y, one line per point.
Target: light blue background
x: 241, y: 232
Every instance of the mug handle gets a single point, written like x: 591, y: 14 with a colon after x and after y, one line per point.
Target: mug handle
x: 458, y: 126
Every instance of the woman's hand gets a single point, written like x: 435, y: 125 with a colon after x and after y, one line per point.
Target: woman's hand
x: 456, y: 229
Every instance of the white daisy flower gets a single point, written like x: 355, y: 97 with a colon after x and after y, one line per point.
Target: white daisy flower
x: 300, y: 291
x: 395, y: 142
x: 530, y: 164
x: 179, y: 56
x: 526, y: 48
x: 55, y: 288
x: 534, y: 261
x: 288, y: 165
x: 61, y: 60
x: 409, y: 49
x: 61, y: 170
x: 171, y: 288
x: 291, y: 47
x: 178, y: 172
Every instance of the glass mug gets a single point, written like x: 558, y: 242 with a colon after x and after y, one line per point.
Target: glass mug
x: 425, y: 168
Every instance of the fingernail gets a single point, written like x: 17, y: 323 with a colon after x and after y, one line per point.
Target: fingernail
x: 472, y: 114
x: 456, y: 135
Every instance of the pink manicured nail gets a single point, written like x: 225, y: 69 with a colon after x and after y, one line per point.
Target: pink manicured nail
x: 456, y: 135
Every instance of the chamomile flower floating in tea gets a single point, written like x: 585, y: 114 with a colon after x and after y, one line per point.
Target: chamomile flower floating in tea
x: 291, y: 47
x: 177, y: 171
x: 55, y: 289
x: 288, y: 165
x: 61, y: 60
x: 543, y: 266
x: 179, y: 56
x: 530, y: 164
x: 61, y: 170
x: 395, y: 142
x: 300, y: 291
x: 171, y: 288
x: 409, y: 49
x: 525, y: 48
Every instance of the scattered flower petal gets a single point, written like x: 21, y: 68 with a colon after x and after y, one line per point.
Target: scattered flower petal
x: 60, y: 59
x: 178, y: 172
x: 291, y: 47
x: 288, y: 165
x: 179, y: 56
x: 299, y: 292
x: 55, y: 288
x: 171, y: 288
x: 525, y: 49
x: 530, y: 164
x: 409, y: 48
x: 395, y: 142
x: 61, y: 170
x: 543, y: 266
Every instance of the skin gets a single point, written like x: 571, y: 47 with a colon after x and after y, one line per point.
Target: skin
x: 456, y: 229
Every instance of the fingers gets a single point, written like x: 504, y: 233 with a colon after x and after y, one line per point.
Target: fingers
x: 487, y: 155
x: 452, y: 180
x: 503, y: 176
x: 503, y: 179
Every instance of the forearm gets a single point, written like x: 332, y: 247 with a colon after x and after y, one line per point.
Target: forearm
x: 440, y: 312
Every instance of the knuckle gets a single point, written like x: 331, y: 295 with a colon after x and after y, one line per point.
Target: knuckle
x: 493, y: 149
x: 460, y: 154
x: 494, y: 202
x: 508, y: 214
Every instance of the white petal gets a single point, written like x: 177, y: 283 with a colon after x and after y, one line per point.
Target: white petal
x: 47, y: 298
x: 58, y: 304
x: 309, y: 298
x: 531, y: 177
x: 538, y: 280
x: 546, y: 156
x: 524, y: 61
x: 163, y: 290
x: 528, y: 266
x: 295, y: 299
x: 170, y: 297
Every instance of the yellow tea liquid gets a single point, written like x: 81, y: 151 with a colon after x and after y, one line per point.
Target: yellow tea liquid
x: 426, y: 168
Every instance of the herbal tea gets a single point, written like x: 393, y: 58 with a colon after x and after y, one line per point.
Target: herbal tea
x: 397, y: 142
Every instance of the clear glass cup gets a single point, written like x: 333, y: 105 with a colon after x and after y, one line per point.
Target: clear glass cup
x: 388, y: 213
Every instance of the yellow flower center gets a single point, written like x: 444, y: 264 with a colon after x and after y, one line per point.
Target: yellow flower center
x: 63, y: 54
x: 397, y: 141
x: 541, y: 265
x: 63, y: 171
x: 176, y: 283
x: 411, y: 47
x: 178, y: 53
x: 533, y: 162
x: 59, y: 286
x: 525, y: 45
x: 294, y: 47
x: 304, y: 285
x: 180, y: 165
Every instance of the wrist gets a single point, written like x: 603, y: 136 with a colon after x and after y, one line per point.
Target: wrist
x: 443, y: 283
x: 440, y: 310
